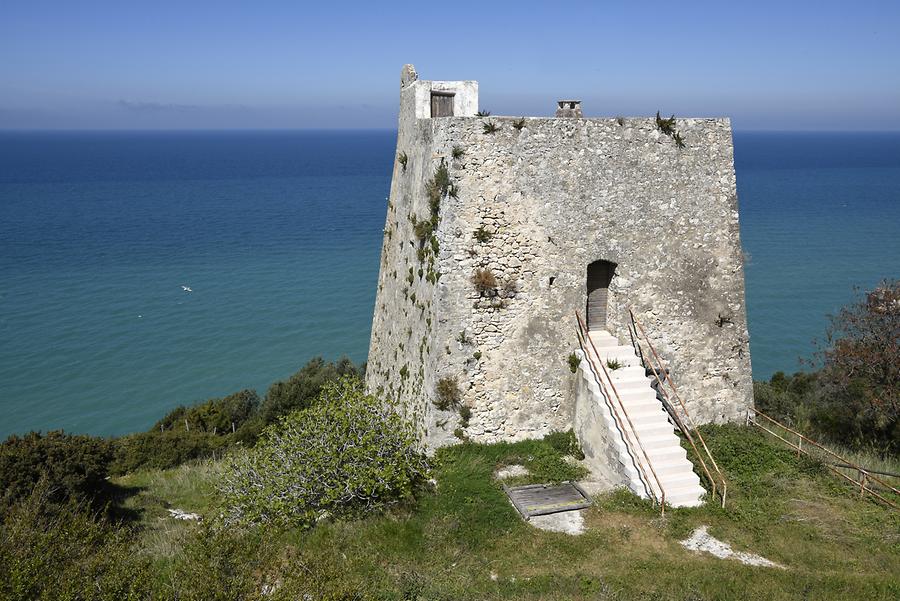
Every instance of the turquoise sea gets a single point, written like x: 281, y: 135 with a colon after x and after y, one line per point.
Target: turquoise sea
x: 278, y: 237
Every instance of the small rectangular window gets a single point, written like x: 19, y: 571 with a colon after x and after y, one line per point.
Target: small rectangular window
x: 442, y: 104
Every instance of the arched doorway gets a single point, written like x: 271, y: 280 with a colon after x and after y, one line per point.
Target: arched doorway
x: 599, y: 275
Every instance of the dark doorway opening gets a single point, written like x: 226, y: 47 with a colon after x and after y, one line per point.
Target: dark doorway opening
x: 599, y: 275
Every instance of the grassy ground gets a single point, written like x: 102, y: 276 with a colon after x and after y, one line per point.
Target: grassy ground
x: 465, y: 541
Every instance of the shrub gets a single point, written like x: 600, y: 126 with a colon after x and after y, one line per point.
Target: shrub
x: 574, y: 362
x: 219, y: 416
x: 566, y: 443
x: 519, y: 124
x: 482, y: 235
x: 347, y: 454
x: 490, y: 127
x: 465, y: 414
x: 458, y: 152
x: 679, y: 142
x: 301, y: 389
x: 164, y: 450
x: 447, y: 394
x: 50, y: 551
x: 666, y: 126
x: 614, y: 364
x: 483, y: 114
x: 72, y: 467
x: 485, y: 281
x: 437, y: 188
x: 402, y: 159
x: 423, y: 230
x: 861, y: 371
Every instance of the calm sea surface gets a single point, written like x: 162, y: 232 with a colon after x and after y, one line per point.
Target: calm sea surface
x: 278, y: 235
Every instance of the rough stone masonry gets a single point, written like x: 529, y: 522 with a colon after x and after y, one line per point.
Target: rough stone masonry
x: 532, y: 202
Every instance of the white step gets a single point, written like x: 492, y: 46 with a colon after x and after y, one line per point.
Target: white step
x: 646, y: 424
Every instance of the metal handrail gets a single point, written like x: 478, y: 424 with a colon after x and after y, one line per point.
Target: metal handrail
x: 584, y: 334
x: 864, y: 473
x: 668, y: 379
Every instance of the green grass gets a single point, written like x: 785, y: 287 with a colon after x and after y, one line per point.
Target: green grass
x: 464, y: 540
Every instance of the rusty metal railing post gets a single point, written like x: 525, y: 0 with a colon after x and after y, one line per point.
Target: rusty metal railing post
x: 668, y: 380
x: 865, y: 475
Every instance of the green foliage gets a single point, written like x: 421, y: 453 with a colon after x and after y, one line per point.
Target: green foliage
x: 679, y: 141
x: 221, y: 564
x: 423, y: 230
x: 164, y: 450
x: 519, y: 124
x: 465, y: 414
x: 458, y: 152
x: 219, y: 416
x: 447, y: 394
x: 476, y: 355
x: 574, y: 362
x: 53, y: 551
x: 72, y: 468
x: 482, y: 235
x: 614, y: 364
x: 463, y: 338
x: 666, y: 126
x: 402, y: 159
x: 546, y: 459
x: 490, y: 127
x: 301, y: 389
x: 347, y: 454
x: 565, y: 443
x: 483, y: 114
x: 438, y: 187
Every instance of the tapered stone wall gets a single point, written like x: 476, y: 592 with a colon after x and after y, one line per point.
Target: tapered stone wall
x: 535, y: 203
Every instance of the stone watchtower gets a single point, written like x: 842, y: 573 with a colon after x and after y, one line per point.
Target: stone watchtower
x: 499, y: 229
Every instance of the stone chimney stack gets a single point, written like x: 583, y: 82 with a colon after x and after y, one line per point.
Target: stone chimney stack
x: 570, y: 109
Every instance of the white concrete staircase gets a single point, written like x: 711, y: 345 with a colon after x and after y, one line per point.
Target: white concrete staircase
x: 651, y: 426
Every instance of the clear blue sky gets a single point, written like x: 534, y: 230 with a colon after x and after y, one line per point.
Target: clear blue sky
x: 789, y: 64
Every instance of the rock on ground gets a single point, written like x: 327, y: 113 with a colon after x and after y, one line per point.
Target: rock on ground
x: 701, y: 540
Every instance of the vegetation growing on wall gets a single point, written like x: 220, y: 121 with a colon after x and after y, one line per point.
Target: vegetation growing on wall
x: 402, y: 159
x: 482, y: 235
x: 447, y: 394
x: 490, y: 127
x: 485, y: 282
x: 667, y: 126
x: 574, y: 362
x: 519, y: 124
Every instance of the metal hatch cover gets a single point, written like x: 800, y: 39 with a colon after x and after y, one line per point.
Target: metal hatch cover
x: 542, y: 499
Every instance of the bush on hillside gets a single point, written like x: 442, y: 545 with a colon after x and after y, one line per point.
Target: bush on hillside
x: 301, y: 389
x: 164, y: 450
x: 218, y: 416
x: 854, y: 399
x: 861, y: 369
x: 73, y: 467
x: 348, y: 453
x: 53, y: 551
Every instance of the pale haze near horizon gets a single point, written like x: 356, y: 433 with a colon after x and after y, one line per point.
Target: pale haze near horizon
x: 283, y: 65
